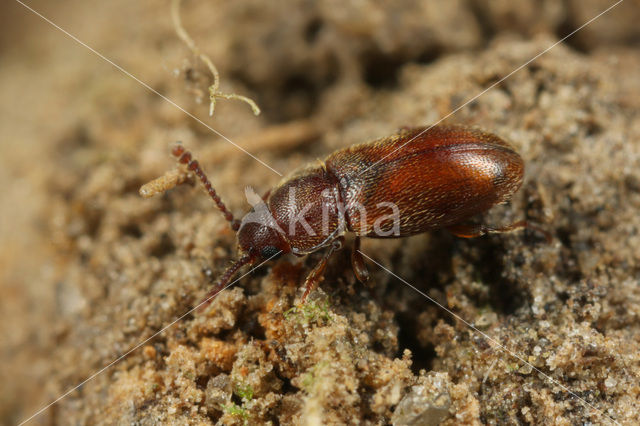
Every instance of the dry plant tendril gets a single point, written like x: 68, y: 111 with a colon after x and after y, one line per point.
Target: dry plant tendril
x: 214, y: 91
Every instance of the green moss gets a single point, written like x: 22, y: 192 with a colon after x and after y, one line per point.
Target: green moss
x: 310, y: 312
x: 244, y: 391
x: 236, y: 410
x: 513, y: 367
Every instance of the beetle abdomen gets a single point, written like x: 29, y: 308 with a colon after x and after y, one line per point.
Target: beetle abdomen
x: 392, y: 188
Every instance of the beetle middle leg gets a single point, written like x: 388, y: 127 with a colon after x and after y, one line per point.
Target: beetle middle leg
x: 357, y: 262
x: 317, y: 274
x: 473, y: 230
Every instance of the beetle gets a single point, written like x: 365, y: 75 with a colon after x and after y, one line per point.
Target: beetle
x: 436, y: 177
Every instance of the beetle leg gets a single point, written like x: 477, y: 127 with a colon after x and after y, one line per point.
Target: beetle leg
x: 473, y: 230
x: 357, y: 262
x: 317, y: 274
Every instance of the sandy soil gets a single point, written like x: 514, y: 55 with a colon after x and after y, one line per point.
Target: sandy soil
x: 88, y: 269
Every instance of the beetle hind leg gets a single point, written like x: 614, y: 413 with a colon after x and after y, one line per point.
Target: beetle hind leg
x: 473, y: 230
x: 317, y: 274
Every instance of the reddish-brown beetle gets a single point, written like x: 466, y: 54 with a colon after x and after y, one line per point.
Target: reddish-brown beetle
x: 435, y: 177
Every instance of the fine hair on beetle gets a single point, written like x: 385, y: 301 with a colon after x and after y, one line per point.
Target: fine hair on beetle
x: 385, y: 225
x: 417, y: 180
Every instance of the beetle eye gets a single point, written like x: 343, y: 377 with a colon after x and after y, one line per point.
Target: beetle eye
x: 268, y: 252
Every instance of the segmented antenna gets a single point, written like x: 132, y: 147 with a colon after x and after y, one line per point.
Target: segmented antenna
x: 185, y: 157
x: 224, y: 280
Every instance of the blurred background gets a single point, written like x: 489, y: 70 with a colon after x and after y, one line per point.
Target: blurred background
x: 78, y: 137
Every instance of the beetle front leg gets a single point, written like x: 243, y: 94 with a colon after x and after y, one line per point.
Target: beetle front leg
x: 473, y: 231
x: 357, y: 262
x: 317, y: 274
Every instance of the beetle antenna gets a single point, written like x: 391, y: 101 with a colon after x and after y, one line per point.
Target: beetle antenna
x: 223, y: 280
x: 185, y: 157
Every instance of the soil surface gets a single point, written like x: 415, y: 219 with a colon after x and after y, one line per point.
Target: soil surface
x: 90, y: 270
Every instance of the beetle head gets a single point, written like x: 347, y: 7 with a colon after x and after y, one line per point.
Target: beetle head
x: 259, y: 235
x: 259, y: 240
